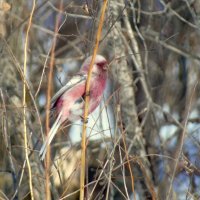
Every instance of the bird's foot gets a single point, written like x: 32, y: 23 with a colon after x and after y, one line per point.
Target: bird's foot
x: 85, y: 121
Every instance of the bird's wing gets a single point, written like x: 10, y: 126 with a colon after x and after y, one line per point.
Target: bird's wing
x: 76, y: 80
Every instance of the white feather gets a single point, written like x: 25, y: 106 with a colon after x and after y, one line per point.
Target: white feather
x: 50, y: 136
x: 74, y: 81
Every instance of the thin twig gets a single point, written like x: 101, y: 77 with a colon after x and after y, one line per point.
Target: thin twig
x: 123, y: 174
x: 182, y: 140
x: 171, y: 47
x: 106, y: 163
x: 173, y: 12
x: 127, y: 158
x: 20, y: 71
x: 6, y: 136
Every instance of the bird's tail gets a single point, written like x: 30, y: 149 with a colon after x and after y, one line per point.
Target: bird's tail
x: 50, y: 136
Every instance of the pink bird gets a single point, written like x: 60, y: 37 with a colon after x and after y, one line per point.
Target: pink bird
x: 68, y: 102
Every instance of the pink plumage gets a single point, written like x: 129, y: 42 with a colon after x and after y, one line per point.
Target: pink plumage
x: 68, y: 102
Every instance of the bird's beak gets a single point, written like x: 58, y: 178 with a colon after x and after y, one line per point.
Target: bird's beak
x: 105, y: 67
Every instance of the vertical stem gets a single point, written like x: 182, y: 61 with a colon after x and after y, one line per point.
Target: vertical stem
x: 87, y: 97
x: 24, y: 102
x: 50, y: 77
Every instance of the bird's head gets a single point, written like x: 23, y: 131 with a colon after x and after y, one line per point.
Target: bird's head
x: 100, y: 64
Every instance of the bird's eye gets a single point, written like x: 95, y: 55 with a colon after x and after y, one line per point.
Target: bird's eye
x: 103, y: 65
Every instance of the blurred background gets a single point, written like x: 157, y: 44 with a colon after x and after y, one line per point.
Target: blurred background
x: 144, y: 139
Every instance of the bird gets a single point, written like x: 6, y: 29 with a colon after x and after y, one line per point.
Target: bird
x: 68, y: 103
